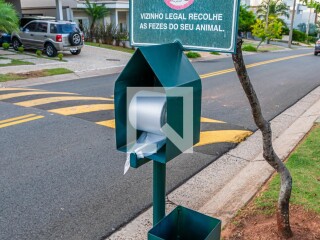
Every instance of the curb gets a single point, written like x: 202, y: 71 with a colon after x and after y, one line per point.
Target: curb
x: 229, y: 183
x: 62, y: 78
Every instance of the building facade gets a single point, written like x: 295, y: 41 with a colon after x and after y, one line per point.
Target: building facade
x: 74, y: 10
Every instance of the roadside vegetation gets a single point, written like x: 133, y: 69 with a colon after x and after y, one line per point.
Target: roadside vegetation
x: 9, y: 20
x: 257, y: 220
x: 13, y: 62
x: 249, y: 48
x: 193, y: 54
x: 112, y: 47
x: 268, y: 23
x: 33, y: 74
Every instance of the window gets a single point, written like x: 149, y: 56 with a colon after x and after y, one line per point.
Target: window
x: 31, y: 27
x: 67, y: 28
x: 53, y: 28
x: 42, y: 27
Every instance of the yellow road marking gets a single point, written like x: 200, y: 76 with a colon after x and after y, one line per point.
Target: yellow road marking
x: 16, y: 118
x: 217, y: 73
x: 220, y: 136
x: 82, y: 109
x: 109, y: 123
x: 207, y: 75
x: 20, y: 121
x: 42, y: 101
x: 209, y: 120
x: 13, y: 89
x: 22, y: 94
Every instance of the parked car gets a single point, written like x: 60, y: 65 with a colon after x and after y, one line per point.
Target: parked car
x: 50, y: 36
x: 5, y: 38
x: 317, y: 48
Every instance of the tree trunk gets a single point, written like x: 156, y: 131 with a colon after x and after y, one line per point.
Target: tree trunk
x: 262, y: 40
x: 268, y: 152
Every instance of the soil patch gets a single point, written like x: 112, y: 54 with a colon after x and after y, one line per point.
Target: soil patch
x: 251, y: 224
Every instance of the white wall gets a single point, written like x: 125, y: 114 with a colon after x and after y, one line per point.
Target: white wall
x: 46, y: 3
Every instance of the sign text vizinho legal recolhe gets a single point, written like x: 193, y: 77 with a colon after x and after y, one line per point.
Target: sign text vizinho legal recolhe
x: 197, y: 24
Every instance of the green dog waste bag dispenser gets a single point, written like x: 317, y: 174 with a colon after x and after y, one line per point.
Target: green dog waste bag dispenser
x: 163, y: 67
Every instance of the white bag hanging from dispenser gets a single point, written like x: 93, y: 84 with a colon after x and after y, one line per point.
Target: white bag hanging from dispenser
x: 147, y: 112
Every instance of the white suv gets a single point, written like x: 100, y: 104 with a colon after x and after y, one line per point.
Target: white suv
x: 50, y: 36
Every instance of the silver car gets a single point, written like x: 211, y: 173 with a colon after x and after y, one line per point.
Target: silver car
x: 317, y: 48
x: 50, y: 36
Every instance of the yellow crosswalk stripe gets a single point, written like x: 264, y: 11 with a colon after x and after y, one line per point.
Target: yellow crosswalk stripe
x: 207, y: 75
x: 109, y: 123
x: 23, y: 94
x: 12, y: 123
x: 82, y: 109
x: 16, y: 118
x: 209, y: 120
x: 221, y: 136
x: 42, y: 101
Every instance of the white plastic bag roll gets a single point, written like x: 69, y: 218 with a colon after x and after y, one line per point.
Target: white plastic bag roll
x: 147, y: 113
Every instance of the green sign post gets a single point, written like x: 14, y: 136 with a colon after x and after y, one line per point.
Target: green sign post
x: 206, y: 25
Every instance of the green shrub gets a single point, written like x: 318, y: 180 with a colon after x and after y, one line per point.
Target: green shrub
x: 5, y: 46
x: 215, y: 53
x: 39, y: 53
x: 60, y: 56
x: 312, y: 39
x: 249, y: 48
x: 21, y: 49
x: 299, y: 36
x: 193, y: 55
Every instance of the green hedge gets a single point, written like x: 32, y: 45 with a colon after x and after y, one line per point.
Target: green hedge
x: 299, y: 36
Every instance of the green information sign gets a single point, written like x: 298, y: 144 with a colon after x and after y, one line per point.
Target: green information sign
x: 207, y: 25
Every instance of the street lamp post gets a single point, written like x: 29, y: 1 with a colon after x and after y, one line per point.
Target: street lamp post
x: 292, y: 21
x: 59, y: 12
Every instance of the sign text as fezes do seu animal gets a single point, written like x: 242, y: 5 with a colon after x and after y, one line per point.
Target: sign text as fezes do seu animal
x: 209, y: 25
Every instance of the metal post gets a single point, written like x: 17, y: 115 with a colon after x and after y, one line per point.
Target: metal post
x: 59, y: 13
x: 159, y: 191
x: 292, y: 22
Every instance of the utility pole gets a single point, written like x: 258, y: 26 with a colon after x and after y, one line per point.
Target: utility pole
x: 292, y: 21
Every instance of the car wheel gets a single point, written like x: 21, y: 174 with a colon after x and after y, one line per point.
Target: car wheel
x: 75, y: 39
x: 75, y: 52
x: 16, y: 43
x: 50, y: 50
x: 315, y: 53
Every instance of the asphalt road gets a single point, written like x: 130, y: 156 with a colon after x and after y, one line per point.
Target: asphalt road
x: 60, y: 175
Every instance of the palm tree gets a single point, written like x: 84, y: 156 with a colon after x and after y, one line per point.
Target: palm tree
x: 9, y: 20
x: 96, y: 12
x: 275, y: 8
x: 312, y: 4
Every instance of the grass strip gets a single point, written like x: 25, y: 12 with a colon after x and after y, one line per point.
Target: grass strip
x: 304, y: 166
x: 112, y: 47
x: 15, y: 62
x: 33, y: 74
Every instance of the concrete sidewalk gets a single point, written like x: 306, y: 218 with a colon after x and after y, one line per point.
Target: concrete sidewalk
x: 225, y: 186
x: 90, y: 59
